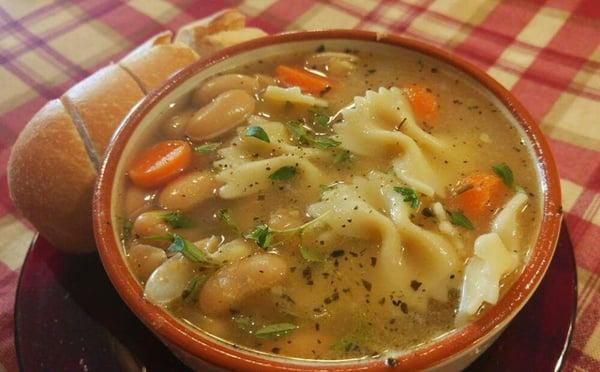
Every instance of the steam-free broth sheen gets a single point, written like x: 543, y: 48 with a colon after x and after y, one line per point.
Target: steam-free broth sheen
x: 330, y: 205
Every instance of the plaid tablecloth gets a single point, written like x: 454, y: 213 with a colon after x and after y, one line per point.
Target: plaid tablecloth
x: 546, y: 52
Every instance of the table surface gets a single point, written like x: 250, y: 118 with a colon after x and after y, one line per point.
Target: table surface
x: 546, y: 52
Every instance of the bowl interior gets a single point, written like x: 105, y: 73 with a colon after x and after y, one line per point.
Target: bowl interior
x: 151, y: 112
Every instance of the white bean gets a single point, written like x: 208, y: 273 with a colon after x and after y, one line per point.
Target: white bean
x: 144, y: 259
x: 188, y: 191
x: 175, y: 126
x: 225, y: 112
x: 136, y: 199
x: 150, y: 224
x: 234, y: 250
x: 220, y: 84
x: 169, y: 280
x: 236, y: 281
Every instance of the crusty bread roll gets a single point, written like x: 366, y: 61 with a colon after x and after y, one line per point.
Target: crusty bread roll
x: 50, y: 178
x: 54, y: 162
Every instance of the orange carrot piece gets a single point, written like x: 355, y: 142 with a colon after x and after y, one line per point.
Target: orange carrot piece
x: 423, y: 102
x: 484, y: 192
x: 160, y: 163
x: 308, y: 82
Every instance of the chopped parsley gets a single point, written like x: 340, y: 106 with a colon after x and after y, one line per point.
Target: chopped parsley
x: 319, y: 118
x: 275, y: 330
x: 225, y: 216
x: 304, y: 136
x: 410, y: 196
x: 188, y: 249
x: 177, y: 220
x: 459, y: 219
x: 190, y: 293
x: 262, y: 236
x: 257, y: 132
x: 505, y: 173
x: 207, y: 147
x: 283, y: 173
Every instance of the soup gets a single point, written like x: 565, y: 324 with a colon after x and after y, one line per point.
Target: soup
x: 330, y: 205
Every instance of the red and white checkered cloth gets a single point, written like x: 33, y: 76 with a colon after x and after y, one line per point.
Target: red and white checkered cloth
x: 547, y: 52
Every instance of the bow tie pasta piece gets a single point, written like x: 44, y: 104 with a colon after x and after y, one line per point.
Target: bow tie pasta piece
x: 255, y: 176
x: 247, y: 164
x: 382, y: 123
x: 506, y: 225
x: 495, y: 255
x: 407, y: 251
x: 491, y: 261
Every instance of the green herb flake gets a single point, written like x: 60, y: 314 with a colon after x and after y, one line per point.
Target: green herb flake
x: 177, y: 220
x: 310, y: 255
x: 261, y: 235
x: 505, y: 173
x: 459, y: 219
x: 319, y: 118
x: 275, y: 330
x: 257, y: 132
x: 283, y: 173
x: 225, y: 216
x: 207, y: 147
x: 342, y: 157
x: 323, y: 142
x: 410, y: 196
x: 188, y: 249
x: 190, y: 293
x: 304, y: 136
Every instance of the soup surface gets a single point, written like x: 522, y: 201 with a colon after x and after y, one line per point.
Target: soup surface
x: 330, y: 205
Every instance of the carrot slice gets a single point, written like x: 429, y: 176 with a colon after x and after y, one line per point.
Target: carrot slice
x: 423, y: 102
x: 160, y: 163
x: 479, y: 194
x: 308, y: 82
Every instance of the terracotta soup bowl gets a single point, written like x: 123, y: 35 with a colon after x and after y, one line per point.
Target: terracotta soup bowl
x: 452, y: 351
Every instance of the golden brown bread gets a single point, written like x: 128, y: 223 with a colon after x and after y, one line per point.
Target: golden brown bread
x: 53, y: 164
x: 102, y: 100
x: 154, y: 66
x: 54, y: 175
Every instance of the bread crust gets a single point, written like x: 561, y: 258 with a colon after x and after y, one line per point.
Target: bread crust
x: 152, y: 66
x: 195, y: 32
x: 51, y: 178
x: 102, y: 100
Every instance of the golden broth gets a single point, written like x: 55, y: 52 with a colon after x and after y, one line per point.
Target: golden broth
x: 337, y: 303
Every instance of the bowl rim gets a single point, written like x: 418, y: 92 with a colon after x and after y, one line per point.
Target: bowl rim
x: 169, y: 329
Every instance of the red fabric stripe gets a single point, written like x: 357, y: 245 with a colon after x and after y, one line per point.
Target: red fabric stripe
x: 576, y: 39
x: 575, y: 163
x: 585, y: 237
x: 489, y: 39
x: 282, y: 13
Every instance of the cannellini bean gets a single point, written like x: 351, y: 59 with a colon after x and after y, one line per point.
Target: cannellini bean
x: 144, y: 259
x: 169, y: 280
x: 220, y: 84
x: 334, y: 63
x: 188, y: 191
x: 136, y: 199
x: 231, y: 251
x: 225, y: 112
x: 285, y: 218
x: 150, y: 224
x: 175, y: 126
x: 236, y: 281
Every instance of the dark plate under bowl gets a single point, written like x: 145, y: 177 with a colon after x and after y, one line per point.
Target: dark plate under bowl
x: 68, y: 317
